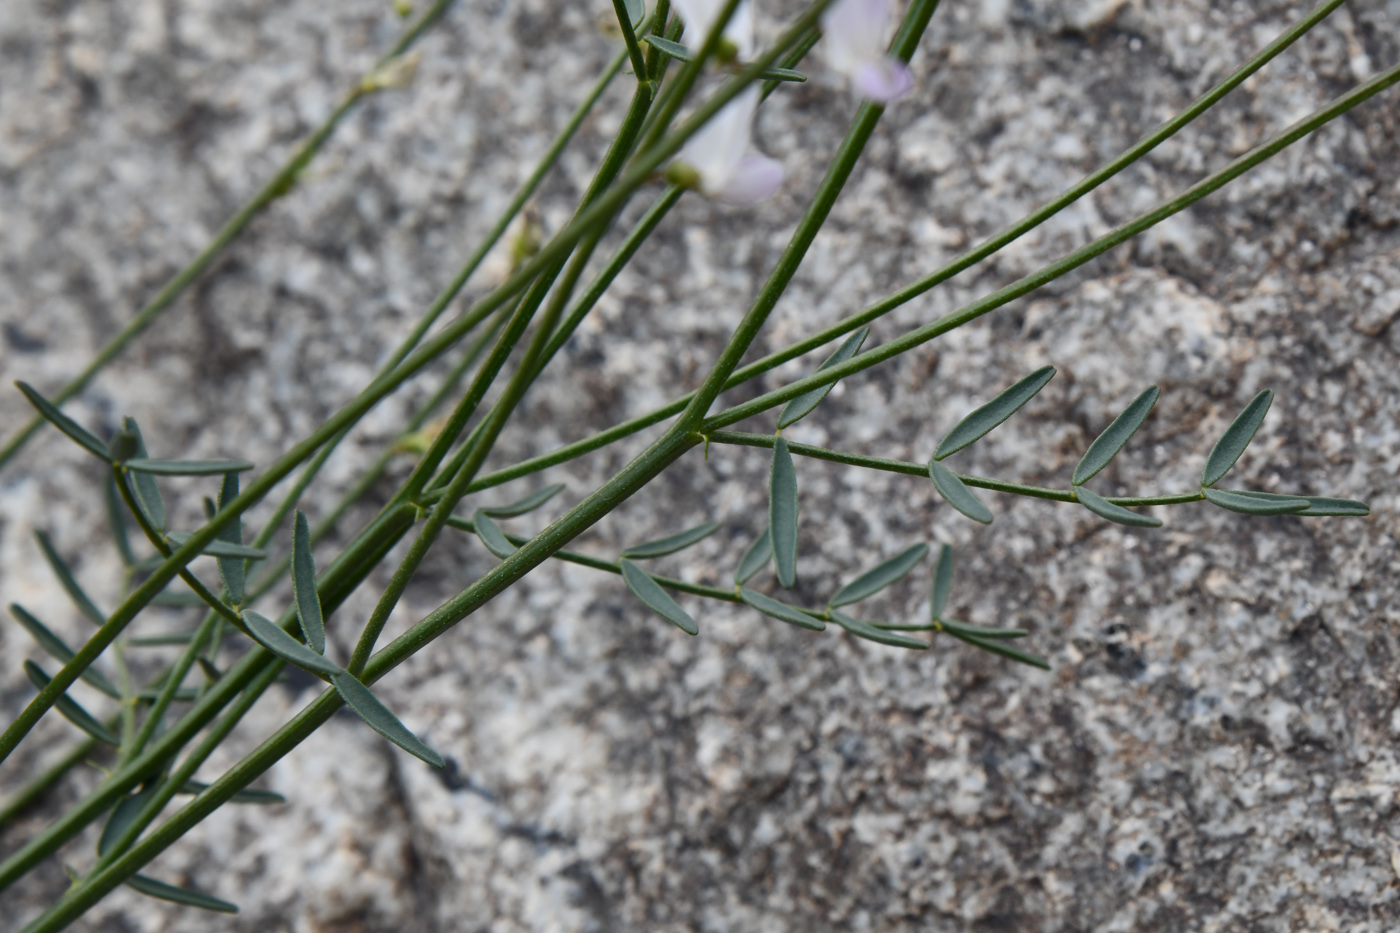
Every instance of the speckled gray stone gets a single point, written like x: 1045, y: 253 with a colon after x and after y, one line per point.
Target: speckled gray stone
x: 1215, y: 748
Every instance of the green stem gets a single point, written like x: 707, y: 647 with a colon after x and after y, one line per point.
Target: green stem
x: 176, y: 780
x: 1074, y: 260
x: 967, y: 260
x: 274, y: 189
x: 634, y: 51
x: 45, y: 782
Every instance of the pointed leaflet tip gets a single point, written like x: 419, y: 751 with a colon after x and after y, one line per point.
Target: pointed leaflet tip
x: 144, y: 484
x: 869, y: 632
x: 999, y: 646
x: 1115, y: 513
x: 672, y: 543
x: 797, y: 409
x: 69, y: 582
x: 168, y: 892
x: 658, y: 600
x: 378, y: 717
x: 780, y: 610
x: 879, y: 577
x: 981, y: 420
x: 1257, y: 503
x: 955, y: 492
x: 1107, y: 445
x: 1326, y: 505
x: 75, y: 432
x: 59, y: 649
x: 313, y: 623
x: 70, y: 709
x: 782, y: 513
x: 522, y: 506
x: 1236, y: 438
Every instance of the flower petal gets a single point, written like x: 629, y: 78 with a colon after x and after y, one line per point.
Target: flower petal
x: 756, y: 179
x: 883, y: 80
x: 718, y: 147
x: 699, y: 17
x: 853, y: 33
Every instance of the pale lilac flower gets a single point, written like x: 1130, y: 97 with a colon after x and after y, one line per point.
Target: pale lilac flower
x: 722, y: 156
x: 699, y: 17
x: 853, y: 38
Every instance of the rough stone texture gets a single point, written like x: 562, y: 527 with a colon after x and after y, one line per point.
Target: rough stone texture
x: 1215, y: 748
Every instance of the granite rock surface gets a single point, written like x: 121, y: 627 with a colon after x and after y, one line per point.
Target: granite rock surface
x: 1216, y: 745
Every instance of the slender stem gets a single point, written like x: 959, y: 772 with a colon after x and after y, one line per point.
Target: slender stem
x: 177, y: 779
x: 842, y: 163
x: 45, y: 781
x: 515, y: 330
x: 1074, y: 260
x: 170, y: 687
x: 967, y: 260
x: 279, y: 185
x: 515, y: 390
x: 158, y: 541
x: 634, y: 51
x: 644, y: 228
